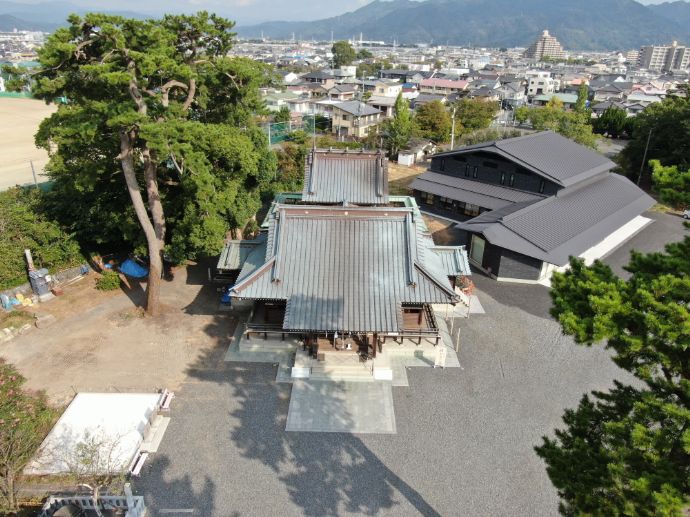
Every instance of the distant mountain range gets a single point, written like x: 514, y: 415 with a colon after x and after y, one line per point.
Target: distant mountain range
x: 578, y: 24
x: 45, y: 16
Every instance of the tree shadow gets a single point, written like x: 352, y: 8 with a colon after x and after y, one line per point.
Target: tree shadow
x: 325, y: 474
x: 175, y: 494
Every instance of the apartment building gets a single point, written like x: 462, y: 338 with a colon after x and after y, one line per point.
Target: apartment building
x: 545, y: 46
x: 664, y: 58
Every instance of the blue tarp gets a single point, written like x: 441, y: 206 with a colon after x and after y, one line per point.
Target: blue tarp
x: 131, y: 268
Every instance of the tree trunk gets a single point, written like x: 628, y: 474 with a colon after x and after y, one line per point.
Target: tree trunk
x: 152, y: 240
x: 96, y: 503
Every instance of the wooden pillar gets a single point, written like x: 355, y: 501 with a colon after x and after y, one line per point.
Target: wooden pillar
x: 375, y: 344
x: 419, y: 318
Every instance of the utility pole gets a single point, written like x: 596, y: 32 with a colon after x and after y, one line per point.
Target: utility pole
x: 644, y: 158
x: 33, y: 171
x: 452, y: 131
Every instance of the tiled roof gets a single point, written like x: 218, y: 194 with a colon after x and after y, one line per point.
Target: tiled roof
x: 566, y: 224
x: 235, y: 253
x: 453, y: 260
x: 444, y: 83
x: 468, y: 191
x: 356, y: 108
x: 354, y: 177
x: 548, y: 154
x: 346, y: 269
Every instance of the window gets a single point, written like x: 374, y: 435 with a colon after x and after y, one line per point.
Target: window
x: 460, y: 207
x: 446, y: 203
x: 475, y: 171
x: 503, y: 178
x: 344, y: 117
x: 511, y: 181
x: 471, y: 210
x: 542, y: 184
x: 467, y: 170
x: 442, y: 167
x: 428, y: 198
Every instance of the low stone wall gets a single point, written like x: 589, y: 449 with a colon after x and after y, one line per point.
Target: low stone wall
x: 58, y: 278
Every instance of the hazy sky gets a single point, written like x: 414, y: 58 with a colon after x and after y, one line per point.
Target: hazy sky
x: 243, y: 11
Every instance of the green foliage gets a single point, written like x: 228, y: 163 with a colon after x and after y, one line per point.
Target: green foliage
x: 24, y: 226
x: 398, y: 130
x: 291, y: 162
x: 570, y: 124
x: 486, y: 135
x: 613, y: 122
x: 582, y: 96
x: 670, y: 135
x: 25, y: 419
x: 473, y: 114
x: 433, y: 121
x: 628, y: 452
x: 282, y: 115
x: 192, y: 116
x: 108, y: 281
x: 672, y: 184
x: 364, y: 54
x: 343, y: 53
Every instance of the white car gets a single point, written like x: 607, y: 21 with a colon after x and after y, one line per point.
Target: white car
x: 686, y: 214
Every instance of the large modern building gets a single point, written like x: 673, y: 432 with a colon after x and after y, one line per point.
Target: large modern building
x: 527, y: 204
x: 545, y: 46
x: 664, y: 58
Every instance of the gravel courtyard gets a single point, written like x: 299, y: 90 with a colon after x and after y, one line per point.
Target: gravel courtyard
x: 464, y: 436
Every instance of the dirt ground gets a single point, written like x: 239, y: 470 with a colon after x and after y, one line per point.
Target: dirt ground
x: 400, y: 176
x: 101, y: 343
x: 19, y: 120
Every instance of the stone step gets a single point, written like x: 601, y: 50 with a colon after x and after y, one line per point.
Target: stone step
x: 354, y: 369
x: 341, y: 376
x: 155, y: 434
x: 269, y: 346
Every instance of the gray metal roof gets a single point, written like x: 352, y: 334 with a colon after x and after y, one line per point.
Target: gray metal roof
x: 354, y: 177
x: 356, y: 108
x: 568, y: 223
x: 346, y: 268
x: 453, y: 259
x: 469, y: 191
x: 235, y: 253
x: 548, y: 154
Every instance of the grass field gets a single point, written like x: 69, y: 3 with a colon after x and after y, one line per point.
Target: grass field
x: 19, y: 120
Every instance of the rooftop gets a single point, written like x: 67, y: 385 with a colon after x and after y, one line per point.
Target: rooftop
x: 344, y: 176
x: 347, y: 268
x: 548, y: 154
x: 356, y: 108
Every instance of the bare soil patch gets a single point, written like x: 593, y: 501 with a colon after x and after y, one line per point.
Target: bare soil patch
x: 400, y: 177
x: 19, y: 121
x: 102, y: 342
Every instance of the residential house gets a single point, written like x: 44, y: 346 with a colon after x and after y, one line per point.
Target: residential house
x: 528, y: 204
x: 387, y: 88
x: 326, y: 79
x: 342, y: 92
x: 540, y: 82
x: 385, y: 105
x: 442, y: 86
x: 568, y: 99
x: 354, y: 119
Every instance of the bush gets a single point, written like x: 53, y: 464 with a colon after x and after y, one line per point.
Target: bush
x: 108, y: 281
x: 23, y: 225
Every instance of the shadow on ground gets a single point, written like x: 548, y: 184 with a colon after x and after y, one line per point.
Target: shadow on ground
x: 324, y: 473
